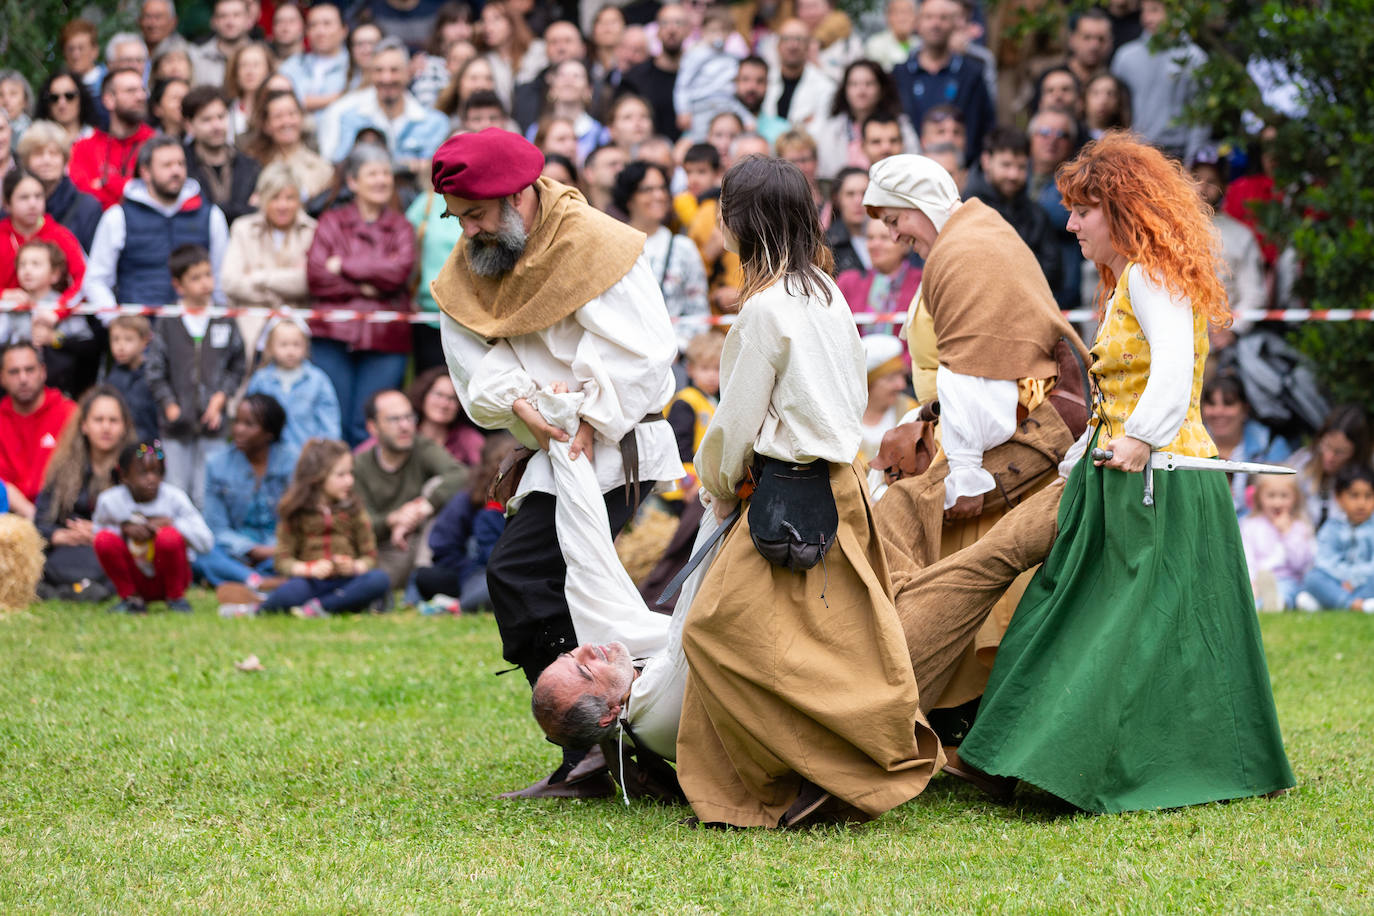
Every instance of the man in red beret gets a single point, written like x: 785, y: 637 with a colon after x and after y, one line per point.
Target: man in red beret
x: 544, y: 290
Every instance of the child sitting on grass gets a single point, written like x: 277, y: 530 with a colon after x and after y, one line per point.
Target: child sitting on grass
x: 324, y: 539
x: 143, y: 529
x: 312, y: 407
x: 1278, y: 541
x: 1343, y: 575
x: 691, y: 409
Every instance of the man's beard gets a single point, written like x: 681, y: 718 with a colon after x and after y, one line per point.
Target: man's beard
x: 491, y: 254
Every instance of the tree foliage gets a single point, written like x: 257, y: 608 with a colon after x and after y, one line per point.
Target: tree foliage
x: 29, y: 29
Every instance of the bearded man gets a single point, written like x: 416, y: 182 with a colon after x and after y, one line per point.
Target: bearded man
x: 546, y: 291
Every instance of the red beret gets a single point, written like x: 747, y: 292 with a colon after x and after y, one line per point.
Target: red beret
x: 488, y: 164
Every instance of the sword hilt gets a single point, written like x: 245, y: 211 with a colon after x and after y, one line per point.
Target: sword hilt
x: 1105, y: 454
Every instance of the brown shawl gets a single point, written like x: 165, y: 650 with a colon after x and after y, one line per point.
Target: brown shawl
x: 574, y: 254
x: 994, y: 314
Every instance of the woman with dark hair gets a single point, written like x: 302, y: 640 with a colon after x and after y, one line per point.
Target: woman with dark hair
x: 361, y: 259
x: 164, y: 106
x: 560, y: 168
x: 276, y: 135
x: 452, y: 24
x: 1344, y: 439
x: 641, y: 191
x: 1132, y: 675
x: 81, y: 468
x: 759, y: 745
x: 1238, y: 436
x: 441, y: 418
x: 866, y: 89
x: 1106, y: 105
x: 503, y: 38
x: 243, y: 485
x: 66, y: 102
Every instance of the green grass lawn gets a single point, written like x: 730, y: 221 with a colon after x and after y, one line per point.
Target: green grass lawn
x: 139, y: 771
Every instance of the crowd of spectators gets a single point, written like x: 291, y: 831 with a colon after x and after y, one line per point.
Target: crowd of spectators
x: 281, y: 160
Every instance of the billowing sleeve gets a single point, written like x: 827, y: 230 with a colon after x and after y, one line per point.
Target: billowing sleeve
x: 1167, y: 323
x: 976, y: 414
x: 727, y: 448
x: 487, y: 376
x: 623, y: 358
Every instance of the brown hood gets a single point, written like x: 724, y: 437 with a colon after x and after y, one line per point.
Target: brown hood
x: 574, y: 254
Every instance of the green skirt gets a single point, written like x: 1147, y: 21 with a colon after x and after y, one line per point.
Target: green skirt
x: 1132, y: 676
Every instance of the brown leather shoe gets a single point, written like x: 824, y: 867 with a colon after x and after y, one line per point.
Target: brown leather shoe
x: 999, y: 788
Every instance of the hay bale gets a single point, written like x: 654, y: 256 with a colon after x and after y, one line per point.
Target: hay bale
x: 21, y: 562
x: 641, y: 544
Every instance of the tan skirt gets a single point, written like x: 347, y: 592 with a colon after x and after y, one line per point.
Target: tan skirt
x: 785, y: 685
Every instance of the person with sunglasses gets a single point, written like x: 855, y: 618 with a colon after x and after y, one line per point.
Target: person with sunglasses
x: 1053, y: 138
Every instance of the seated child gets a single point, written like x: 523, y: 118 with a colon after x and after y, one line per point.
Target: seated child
x: 1279, y: 542
x: 1343, y: 574
x: 705, y: 84
x: 691, y: 409
x: 70, y: 349
x: 464, y: 533
x: 312, y: 407
x: 143, y: 528
x: 324, y: 539
x: 129, y: 338
x: 197, y: 363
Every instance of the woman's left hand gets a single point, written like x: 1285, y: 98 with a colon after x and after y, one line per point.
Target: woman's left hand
x: 1127, y: 454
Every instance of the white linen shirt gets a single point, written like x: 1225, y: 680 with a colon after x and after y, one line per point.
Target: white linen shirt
x: 793, y: 386
x: 617, y: 350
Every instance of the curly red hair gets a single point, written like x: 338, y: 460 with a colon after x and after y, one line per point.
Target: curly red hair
x: 1155, y: 217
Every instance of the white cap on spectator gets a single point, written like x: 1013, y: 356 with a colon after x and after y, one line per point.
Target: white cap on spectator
x: 911, y: 182
x: 882, y: 354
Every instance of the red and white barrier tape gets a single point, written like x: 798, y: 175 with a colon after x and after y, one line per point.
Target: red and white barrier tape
x: 388, y: 317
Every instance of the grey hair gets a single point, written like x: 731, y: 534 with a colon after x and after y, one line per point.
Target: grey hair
x: 14, y: 76
x: 365, y: 154
x: 120, y: 38
x: 579, y: 726
x: 390, y: 43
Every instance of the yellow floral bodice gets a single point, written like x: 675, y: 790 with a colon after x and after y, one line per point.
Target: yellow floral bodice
x: 1121, y: 367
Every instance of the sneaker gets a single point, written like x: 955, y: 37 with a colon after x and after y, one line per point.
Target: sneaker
x: 238, y: 610
x: 310, y: 610
x: 429, y: 608
x: 130, y: 605
x: 237, y: 593
x: 1306, y: 602
x: 180, y: 605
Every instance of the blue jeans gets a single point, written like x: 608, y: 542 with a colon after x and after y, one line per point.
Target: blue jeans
x: 219, y: 566
x: 357, y: 375
x: 336, y: 594
x: 1328, y: 590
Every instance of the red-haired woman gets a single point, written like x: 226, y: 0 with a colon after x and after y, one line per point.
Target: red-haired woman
x: 1132, y: 675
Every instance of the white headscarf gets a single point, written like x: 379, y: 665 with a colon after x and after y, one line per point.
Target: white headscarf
x: 912, y: 182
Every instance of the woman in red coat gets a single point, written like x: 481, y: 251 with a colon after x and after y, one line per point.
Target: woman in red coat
x: 361, y: 259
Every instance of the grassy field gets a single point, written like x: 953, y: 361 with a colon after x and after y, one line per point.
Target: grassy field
x: 140, y: 772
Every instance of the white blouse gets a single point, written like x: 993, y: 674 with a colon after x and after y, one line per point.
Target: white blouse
x: 792, y: 387
x: 616, y: 350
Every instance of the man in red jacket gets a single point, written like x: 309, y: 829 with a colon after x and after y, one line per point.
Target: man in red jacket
x: 104, y: 162
x: 31, y: 419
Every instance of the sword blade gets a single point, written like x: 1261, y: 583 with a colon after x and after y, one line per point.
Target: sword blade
x: 1168, y: 461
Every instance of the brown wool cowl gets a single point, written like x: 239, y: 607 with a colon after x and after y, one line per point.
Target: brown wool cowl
x: 574, y: 254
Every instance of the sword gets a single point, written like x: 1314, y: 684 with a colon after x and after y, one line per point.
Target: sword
x: 1168, y: 461
x: 699, y: 556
